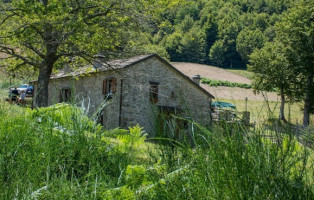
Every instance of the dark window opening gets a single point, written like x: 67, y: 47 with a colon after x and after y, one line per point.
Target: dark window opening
x: 100, y: 119
x: 109, y: 86
x: 65, y: 95
x: 171, y: 122
x: 153, y: 92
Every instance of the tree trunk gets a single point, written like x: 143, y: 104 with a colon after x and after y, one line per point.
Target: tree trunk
x: 306, y: 112
x: 282, y: 105
x: 41, y: 98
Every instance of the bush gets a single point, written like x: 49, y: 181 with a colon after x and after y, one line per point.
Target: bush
x: 216, y: 83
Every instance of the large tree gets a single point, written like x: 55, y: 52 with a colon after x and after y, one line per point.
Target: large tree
x: 288, y: 63
x: 44, y: 34
x: 248, y: 40
x: 296, y: 33
x: 272, y: 71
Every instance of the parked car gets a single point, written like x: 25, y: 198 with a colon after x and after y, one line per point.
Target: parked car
x: 30, y: 91
x: 22, y: 87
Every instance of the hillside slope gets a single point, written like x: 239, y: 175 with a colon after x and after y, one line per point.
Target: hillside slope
x: 190, y: 69
x: 211, y: 72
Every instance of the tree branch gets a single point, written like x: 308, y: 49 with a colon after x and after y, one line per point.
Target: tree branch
x: 101, y: 14
x: 29, y: 46
x: 6, y: 18
x: 10, y: 51
x: 41, y: 33
x: 19, y: 65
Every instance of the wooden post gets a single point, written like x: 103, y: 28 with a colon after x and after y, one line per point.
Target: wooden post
x: 246, y: 118
x: 245, y: 99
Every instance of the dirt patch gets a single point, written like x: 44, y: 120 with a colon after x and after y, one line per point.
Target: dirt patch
x: 2, y: 55
x: 190, y: 69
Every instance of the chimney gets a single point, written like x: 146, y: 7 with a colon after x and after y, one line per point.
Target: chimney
x: 196, y: 79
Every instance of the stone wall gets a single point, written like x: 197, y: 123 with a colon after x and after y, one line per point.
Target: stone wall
x: 173, y: 91
x: 87, y: 92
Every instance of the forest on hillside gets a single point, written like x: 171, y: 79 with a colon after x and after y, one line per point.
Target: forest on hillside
x: 219, y: 32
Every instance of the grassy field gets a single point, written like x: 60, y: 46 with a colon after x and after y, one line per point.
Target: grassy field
x: 262, y: 110
x: 242, y: 72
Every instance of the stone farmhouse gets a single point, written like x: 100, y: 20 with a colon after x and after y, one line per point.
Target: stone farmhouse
x: 132, y: 91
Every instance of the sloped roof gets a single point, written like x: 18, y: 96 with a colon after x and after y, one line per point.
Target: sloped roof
x: 100, y: 66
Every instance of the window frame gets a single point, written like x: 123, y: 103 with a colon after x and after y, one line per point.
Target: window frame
x: 109, y: 86
x: 65, y: 95
x: 153, y: 92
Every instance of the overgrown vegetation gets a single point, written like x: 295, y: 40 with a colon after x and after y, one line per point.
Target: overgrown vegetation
x: 58, y: 153
x: 216, y: 83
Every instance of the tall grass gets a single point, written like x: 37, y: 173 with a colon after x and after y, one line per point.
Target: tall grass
x: 58, y: 153
x: 235, y: 163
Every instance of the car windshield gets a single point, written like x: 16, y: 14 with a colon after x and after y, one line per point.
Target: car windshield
x: 23, y: 86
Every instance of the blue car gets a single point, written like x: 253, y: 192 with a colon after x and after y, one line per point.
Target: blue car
x: 30, y: 91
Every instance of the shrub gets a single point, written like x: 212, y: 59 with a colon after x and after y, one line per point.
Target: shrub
x: 216, y: 83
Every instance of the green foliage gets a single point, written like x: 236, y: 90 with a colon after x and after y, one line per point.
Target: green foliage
x: 216, y: 83
x: 232, y: 163
x: 286, y: 63
x: 132, y: 140
x: 46, y: 35
x: 266, y: 62
x: 296, y: 32
x: 52, y: 149
x: 193, y: 43
x: 123, y: 193
x: 217, y: 52
x: 228, y: 30
x: 85, y: 162
x: 248, y: 40
x: 135, y: 175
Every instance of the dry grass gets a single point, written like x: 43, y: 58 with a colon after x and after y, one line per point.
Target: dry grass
x: 190, y: 69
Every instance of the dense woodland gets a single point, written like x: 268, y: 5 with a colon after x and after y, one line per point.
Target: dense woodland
x: 218, y: 32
